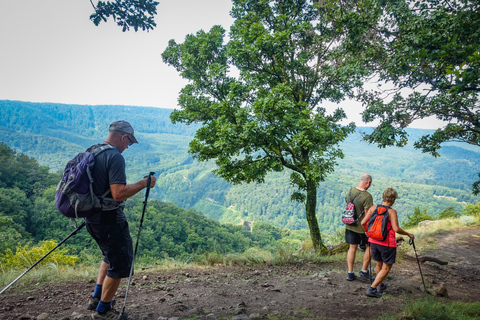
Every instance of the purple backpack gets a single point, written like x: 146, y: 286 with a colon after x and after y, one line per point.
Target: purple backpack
x: 74, y: 196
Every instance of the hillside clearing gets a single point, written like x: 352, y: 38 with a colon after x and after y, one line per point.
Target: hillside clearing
x: 300, y: 291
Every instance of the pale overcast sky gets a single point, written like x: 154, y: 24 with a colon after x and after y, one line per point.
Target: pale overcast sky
x: 51, y: 52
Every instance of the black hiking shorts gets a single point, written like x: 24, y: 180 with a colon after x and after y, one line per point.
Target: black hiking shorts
x: 384, y: 254
x: 351, y: 237
x: 116, y: 244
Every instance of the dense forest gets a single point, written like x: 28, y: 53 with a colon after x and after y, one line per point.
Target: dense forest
x: 53, y: 133
x: 28, y: 216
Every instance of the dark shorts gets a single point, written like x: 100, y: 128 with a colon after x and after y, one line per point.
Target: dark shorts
x: 384, y: 254
x: 352, y: 237
x: 116, y: 244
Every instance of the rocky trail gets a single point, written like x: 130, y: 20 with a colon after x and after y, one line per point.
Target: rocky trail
x: 295, y: 291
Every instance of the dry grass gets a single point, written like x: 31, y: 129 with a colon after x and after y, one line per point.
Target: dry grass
x: 51, y: 272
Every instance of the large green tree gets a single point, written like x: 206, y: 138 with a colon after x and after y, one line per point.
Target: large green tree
x: 258, y: 96
x: 428, y: 54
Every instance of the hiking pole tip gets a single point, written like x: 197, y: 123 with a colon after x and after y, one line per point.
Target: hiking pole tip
x: 412, y: 242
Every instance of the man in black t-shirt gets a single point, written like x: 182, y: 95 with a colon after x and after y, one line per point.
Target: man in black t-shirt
x: 109, y: 227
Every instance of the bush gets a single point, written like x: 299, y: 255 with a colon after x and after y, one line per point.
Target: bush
x: 417, y: 217
x: 467, y: 220
x: 448, y: 213
x: 24, y: 256
x: 472, y: 210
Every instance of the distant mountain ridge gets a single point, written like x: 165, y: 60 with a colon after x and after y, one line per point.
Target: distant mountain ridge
x: 53, y: 133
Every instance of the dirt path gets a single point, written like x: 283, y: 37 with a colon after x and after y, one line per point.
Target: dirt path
x: 304, y: 291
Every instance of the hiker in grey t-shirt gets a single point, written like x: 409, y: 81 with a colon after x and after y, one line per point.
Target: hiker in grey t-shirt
x: 110, y: 228
x: 355, y: 234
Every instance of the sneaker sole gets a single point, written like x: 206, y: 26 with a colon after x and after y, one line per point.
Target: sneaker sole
x: 364, y: 279
x: 374, y: 295
x: 93, y: 307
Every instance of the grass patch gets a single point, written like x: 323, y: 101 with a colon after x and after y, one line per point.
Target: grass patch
x: 48, y: 273
x: 430, y: 308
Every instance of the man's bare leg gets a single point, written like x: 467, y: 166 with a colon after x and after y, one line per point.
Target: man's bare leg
x: 352, y: 250
x: 102, y: 273
x: 366, y: 257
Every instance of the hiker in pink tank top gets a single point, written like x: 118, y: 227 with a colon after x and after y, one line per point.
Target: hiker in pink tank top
x: 384, y: 252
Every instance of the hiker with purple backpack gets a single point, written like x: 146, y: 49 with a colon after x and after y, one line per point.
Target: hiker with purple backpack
x: 381, y: 224
x: 109, y: 228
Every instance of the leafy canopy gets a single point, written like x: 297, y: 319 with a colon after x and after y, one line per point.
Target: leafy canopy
x: 428, y: 52
x: 136, y: 14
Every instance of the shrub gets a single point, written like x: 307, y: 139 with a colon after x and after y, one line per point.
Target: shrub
x: 417, y: 217
x: 467, y: 220
x: 472, y: 210
x: 25, y: 257
x: 448, y: 213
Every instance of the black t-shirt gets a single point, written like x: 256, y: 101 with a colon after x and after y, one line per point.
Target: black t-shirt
x: 109, y: 169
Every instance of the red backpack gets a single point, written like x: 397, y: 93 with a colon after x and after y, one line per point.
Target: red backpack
x: 377, y: 224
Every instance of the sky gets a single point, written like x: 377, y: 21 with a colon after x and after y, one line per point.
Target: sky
x: 50, y: 51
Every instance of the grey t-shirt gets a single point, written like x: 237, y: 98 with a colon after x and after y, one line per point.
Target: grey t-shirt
x: 109, y: 169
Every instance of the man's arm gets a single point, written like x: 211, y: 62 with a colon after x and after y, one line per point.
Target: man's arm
x: 122, y: 191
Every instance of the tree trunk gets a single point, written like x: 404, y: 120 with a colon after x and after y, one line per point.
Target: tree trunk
x: 310, y: 208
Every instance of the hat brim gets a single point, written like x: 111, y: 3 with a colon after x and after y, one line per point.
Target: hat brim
x: 134, y: 139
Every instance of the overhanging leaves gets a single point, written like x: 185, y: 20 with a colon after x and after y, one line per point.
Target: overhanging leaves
x: 136, y: 14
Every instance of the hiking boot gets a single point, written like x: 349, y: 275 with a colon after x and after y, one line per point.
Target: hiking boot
x: 111, y: 314
x: 93, y: 303
x: 372, y: 292
x: 381, y: 288
x: 364, y: 276
x: 351, y: 276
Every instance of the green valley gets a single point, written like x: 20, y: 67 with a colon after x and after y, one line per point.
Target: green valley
x: 53, y: 133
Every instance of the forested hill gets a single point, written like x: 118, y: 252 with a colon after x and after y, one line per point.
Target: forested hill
x: 53, y: 133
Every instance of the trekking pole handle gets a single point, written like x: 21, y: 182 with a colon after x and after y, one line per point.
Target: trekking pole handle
x: 149, y: 178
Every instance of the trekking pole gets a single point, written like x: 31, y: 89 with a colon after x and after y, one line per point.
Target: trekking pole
x: 58, y: 245
x: 138, y: 238
x: 370, y: 264
x: 411, y: 242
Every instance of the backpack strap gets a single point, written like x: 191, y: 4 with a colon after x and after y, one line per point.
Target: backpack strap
x: 386, y: 207
x: 99, y: 148
x: 350, y: 193
x: 96, y: 150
